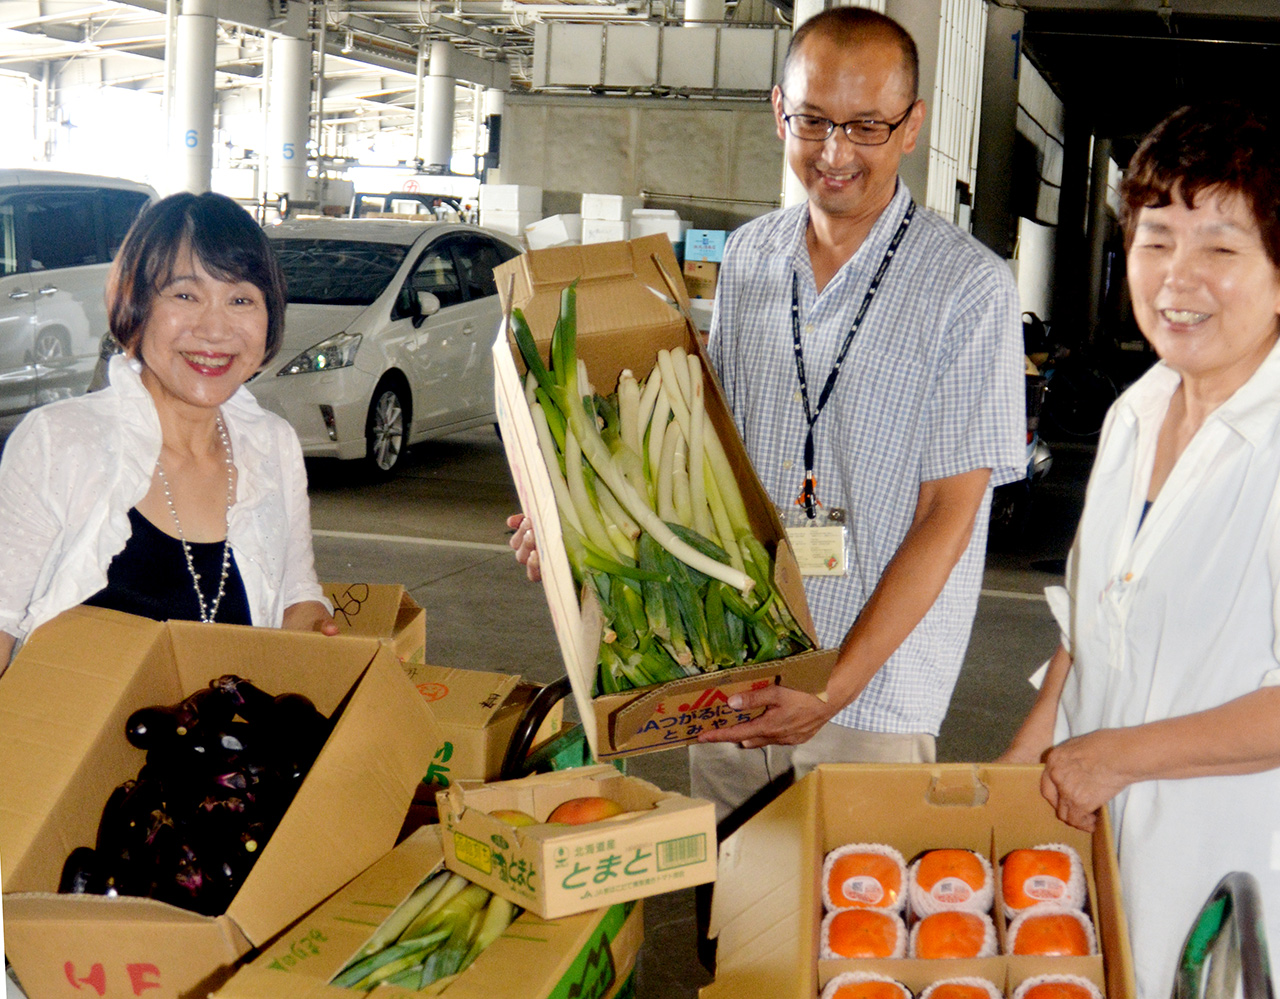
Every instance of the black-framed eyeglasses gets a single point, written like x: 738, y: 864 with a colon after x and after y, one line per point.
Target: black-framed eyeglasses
x: 860, y: 131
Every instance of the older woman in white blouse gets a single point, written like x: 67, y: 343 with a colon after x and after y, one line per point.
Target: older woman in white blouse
x: 1162, y: 700
x: 171, y: 493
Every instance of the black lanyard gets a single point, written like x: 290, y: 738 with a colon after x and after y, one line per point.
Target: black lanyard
x: 808, y: 497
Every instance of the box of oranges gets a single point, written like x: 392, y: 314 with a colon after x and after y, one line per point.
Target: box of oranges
x: 574, y: 840
x: 919, y: 875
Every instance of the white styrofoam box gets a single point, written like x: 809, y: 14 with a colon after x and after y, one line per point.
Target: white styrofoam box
x: 511, y: 198
x: 604, y: 230
x: 613, y: 207
x: 642, y: 225
x: 554, y: 230
x: 512, y: 223
x: 654, y: 213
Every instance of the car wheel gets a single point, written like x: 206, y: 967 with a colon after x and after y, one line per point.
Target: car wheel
x: 49, y: 347
x: 387, y: 428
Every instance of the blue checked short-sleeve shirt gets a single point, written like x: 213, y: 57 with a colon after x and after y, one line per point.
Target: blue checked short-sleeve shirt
x: 932, y: 387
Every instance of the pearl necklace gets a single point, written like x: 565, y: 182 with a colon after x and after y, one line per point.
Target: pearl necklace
x: 206, y: 614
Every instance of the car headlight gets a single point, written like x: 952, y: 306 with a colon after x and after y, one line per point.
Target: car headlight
x: 339, y: 351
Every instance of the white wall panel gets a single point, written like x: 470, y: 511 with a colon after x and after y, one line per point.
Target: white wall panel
x: 717, y: 163
x: 631, y: 55
x: 746, y: 60
x: 689, y: 59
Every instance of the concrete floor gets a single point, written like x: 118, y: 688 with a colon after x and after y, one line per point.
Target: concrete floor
x: 439, y: 529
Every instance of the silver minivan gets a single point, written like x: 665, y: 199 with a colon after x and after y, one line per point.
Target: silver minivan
x: 58, y: 235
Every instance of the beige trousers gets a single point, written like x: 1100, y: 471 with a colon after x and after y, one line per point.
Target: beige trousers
x: 730, y: 776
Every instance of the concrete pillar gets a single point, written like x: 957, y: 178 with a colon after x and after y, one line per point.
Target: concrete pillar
x: 923, y: 21
x: 698, y: 11
x: 1070, y: 288
x: 288, y: 117
x: 1099, y: 227
x: 994, y: 220
x: 191, y: 139
x: 793, y: 192
x: 437, y: 110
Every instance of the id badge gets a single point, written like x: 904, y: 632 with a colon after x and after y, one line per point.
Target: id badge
x: 818, y: 542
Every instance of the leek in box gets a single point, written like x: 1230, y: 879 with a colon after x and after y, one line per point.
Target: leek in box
x: 652, y: 517
x: 433, y: 934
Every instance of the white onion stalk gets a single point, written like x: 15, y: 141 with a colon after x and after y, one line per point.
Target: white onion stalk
x: 549, y: 454
x: 657, y: 436
x: 681, y: 496
x: 666, y: 473
x: 649, y: 399
x: 702, y: 522
x: 679, y: 362
x: 593, y: 527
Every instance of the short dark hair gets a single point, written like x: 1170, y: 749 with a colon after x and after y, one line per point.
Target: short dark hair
x: 849, y: 25
x: 219, y: 233
x: 1225, y: 147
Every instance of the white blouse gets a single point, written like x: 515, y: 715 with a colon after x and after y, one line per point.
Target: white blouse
x: 72, y: 470
x: 1179, y: 616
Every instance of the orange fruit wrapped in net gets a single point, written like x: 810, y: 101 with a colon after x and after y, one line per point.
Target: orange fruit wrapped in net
x: 950, y: 879
x: 864, y: 876
x: 953, y: 934
x: 863, y: 934
x: 1052, y: 931
x: 1051, y: 872
x: 864, y: 985
x: 967, y: 987
x: 1057, y: 987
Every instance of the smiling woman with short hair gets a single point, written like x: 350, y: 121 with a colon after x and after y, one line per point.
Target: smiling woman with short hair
x: 170, y: 494
x: 1162, y: 700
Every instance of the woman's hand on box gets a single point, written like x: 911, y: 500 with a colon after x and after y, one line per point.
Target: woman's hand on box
x: 310, y: 615
x: 790, y: 718
x: 525, y: 545
x: 1083, y: 774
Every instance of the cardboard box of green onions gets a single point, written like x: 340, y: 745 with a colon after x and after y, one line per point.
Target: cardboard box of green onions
x: 669, y: 577
x: 410, y: 924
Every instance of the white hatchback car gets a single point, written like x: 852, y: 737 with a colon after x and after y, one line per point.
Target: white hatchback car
x: 388, y: 334
x: 58, y: 234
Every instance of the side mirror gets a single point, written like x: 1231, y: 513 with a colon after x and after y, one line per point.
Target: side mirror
x: 428, y: 306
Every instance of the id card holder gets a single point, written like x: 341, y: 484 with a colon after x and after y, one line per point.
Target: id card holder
x: 818, y: 543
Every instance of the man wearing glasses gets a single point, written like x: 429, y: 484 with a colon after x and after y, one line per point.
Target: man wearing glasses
x: 871, y: 354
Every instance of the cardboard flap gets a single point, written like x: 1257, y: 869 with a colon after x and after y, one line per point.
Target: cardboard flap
x: 358, y: 774
x: 958, y: 786
x: 761, y: 903
x: 472, y: 697
x: 59, y: 696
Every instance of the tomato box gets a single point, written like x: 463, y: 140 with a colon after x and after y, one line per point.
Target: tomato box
x: 587, y: 956
x: 663, y: 842
x: 770, y: 870
x: 63, y: 706
x: 625, y: 316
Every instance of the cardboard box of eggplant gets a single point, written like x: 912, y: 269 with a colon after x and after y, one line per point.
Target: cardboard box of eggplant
x: 590, y: 956
x: 64, y: 703
x: 769, y: 881
x: 631, y: 303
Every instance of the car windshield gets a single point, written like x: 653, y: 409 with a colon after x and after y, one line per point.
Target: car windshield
x: 337, y: 271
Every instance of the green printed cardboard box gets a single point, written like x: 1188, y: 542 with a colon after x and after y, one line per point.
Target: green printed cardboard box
x: 663, y: 842
x: 588, y: 956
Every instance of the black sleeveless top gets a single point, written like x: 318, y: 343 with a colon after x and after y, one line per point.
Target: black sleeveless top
x: 150, y: 578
